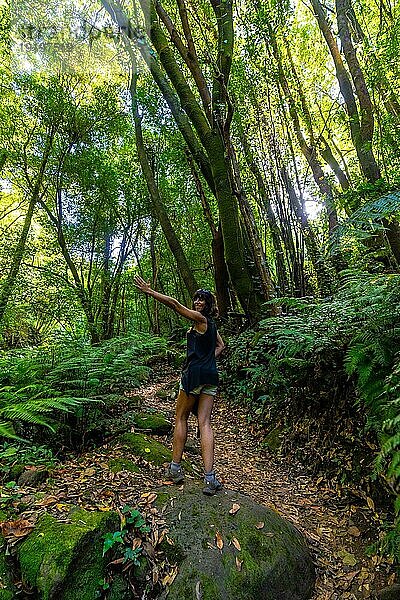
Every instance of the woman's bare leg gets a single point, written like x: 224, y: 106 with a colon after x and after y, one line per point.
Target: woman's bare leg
x: 206, y: 403
x: 184, y: 405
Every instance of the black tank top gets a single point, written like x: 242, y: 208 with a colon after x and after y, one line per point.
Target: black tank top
x: 200, y: 367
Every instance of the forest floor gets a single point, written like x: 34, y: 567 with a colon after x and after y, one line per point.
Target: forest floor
x: 338, y: 526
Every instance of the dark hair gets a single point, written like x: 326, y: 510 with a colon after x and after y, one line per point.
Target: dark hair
x: 211, y: 308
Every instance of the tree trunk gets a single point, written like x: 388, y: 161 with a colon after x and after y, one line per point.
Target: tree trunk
x: 365, y: 133
x: 158, y: 208
x: 266, y: 206
x: 11, y: 278
x: 327, y: 155
x: 221, y: 275
x: 323, y: 273
x: 79, y: 285
x: 211, y: 138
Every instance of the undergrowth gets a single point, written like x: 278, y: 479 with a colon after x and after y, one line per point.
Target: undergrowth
x: 325, y: 377
x: 62, y: 386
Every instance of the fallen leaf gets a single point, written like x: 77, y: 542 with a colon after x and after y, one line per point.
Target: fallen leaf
x: 234, y: 509
x: 348, y: 559
x: 18, y: 529
x: 168, y: 579
x: 149, y: 549
x: 89, y: 472
x: 47, y: 500
x: 370, y: 503
x: 235, y: 542
x: 260, y: 525
x: 238, y: 563
x: 220, y: 541
x: 117, y: 561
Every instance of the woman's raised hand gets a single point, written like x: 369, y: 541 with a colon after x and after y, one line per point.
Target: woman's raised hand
x: 141, y: 284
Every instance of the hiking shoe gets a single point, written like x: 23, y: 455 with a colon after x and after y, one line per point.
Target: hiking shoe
x: 176, y: 476
x: 211, y: 486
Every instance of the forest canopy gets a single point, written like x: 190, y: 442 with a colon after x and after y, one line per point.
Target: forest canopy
x: 251, y: 148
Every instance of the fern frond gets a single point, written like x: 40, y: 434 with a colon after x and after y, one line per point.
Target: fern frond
x: 7, y: 431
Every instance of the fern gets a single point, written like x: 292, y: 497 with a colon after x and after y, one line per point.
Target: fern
x: 306, y: 358
x: 40, y: 385
x: 7, y: 431
x: 366, y: 221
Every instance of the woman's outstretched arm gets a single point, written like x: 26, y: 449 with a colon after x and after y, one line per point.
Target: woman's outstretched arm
x: 192, y: 315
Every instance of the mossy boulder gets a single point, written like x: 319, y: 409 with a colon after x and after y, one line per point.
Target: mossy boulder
x: 33, y: 477
x: 151, y: 450
x: 273, y: 562
x: 145, y: 447
x: 153, y: 422
x: 64, y: 560
x: 119, y: 589
x: 273, y: 439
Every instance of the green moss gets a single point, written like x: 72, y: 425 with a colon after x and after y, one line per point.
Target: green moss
x: 134, y: 401
x: 119, y: 589
x: 163, y: 394
x: 65, y: 559
x: 162, y: 499
x: 173, y: 552
x: 185, y: 588
x: 142, y: 445
x: 154, y: 422
x: 261, y: 553
x: 7, y: 587
x: 123, y: 464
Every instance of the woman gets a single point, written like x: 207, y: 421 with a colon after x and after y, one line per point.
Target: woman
x: 199, y: 382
